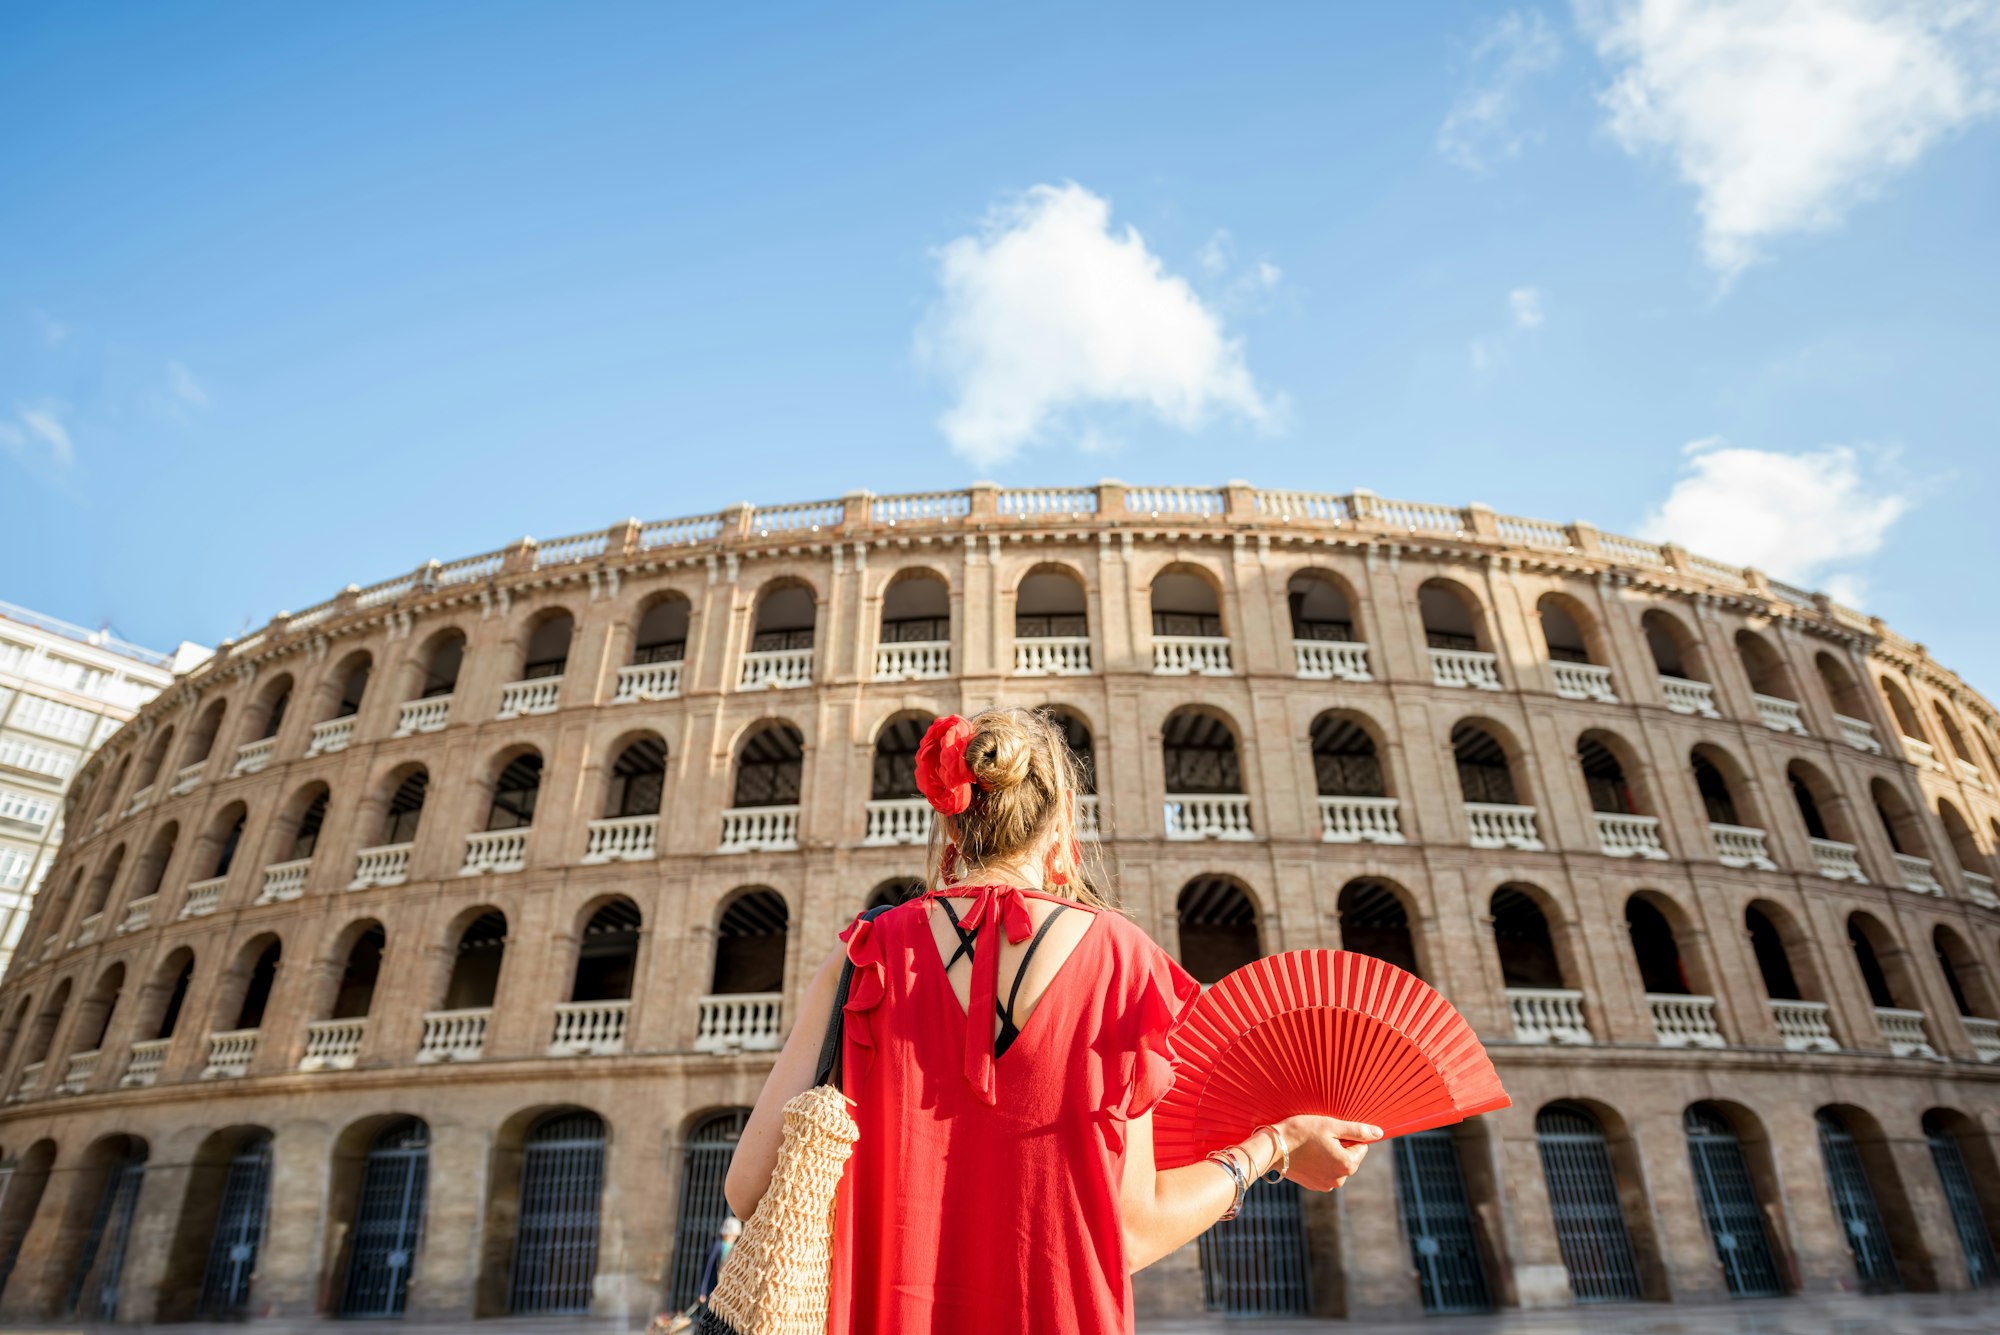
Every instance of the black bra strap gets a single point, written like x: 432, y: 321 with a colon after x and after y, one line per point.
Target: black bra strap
x: 1027, y: 955
x: 965, y: 938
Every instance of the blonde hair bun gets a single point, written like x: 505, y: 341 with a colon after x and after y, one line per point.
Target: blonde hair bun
x: 999, y: 757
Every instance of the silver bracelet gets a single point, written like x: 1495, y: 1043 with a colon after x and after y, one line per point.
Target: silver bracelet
x: 1237, y: 1177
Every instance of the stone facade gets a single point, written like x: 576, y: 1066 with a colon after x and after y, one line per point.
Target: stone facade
x: 201, y: 781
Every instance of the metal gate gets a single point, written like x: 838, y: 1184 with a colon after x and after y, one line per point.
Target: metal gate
x: 388, y: 1221
x: 1966, y: 1215
x: 103, y: 1258
x: 555, y: 1235
x: 702, y: 1207
x: 1437, y: 1219
x: 1854, y: 1203
x: 239, y: 1230
x: 1729, y: 1205
x: 1255, y: 1264
x: 1583, y: 1197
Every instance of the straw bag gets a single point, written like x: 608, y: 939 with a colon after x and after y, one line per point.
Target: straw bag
x: 774, y: 1279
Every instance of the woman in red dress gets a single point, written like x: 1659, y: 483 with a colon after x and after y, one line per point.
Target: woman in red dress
x: 1004, y: 1178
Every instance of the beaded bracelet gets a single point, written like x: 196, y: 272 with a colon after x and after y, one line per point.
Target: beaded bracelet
x: 1237, y: 1177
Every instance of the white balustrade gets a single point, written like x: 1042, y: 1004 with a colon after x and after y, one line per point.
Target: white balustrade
x: 139, y: 914
x: 1086, y: 817
x: 203, y: 897
x: 494, y: 851
x: 914, y: 660
x: 1190, y: 655
x: 1052, y: 656
x: 142, y: 1068
x: 330, y: 736
x: 1465, y: 668
x: 1979, y: 889
x: 622, y: 839
x: 24, y: 1088
x: 1584, y: 681
x: 453, y: 1036
x: 1858, y: 733
x: 1968, y: 772
x: 589, y: 1028
x: 384, y: 864
x: 1779, y: 715
x: 284, y: 880
x: 1684, y: 696
x: 1906, y: 1033
x: 1360, y: 820
x: 1837, y: 861
x: 1209, y: 816
x: 760, y: 829
x: 779, y: 669
x: 1741, y: 846
x: 333, y: 1045
x: 422, y: 715
x: 253, y: 756
x: 1917, y: 874
x: 1331, y: 660
x: 230, y: 1054
x: 1622, y: 835
x: 1684, y: 1021
x: 186, y: 777
x: 741, y: 1022
x: 1548, y: 1015
x: 77, y: 1072
x: 537, y: 695
x: 139, y: 800
x: 87, y: 930
x: 1984, y: 1035
x: 1802, y: 1026
x: 898, y: 820
x: 1499, y: 825
x: 648, y: 681
x: 1922, y: 754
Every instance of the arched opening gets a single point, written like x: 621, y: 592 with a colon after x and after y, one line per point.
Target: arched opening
x: 406, y: 806
x: 1562, y: 621
x: 1949, y: 727
x: 387, y: 862
x: 1882, y: 1236
x: 150, y: 766
x: 1842, y: 689
x: 1588, y: 1199
x: 217, y: 851
x: 662, y: 632
x: 1438, y: 1219
x: 638, y: 780
x: 94, y: 1015
x: 150, y: 875
x: 704, y: 1164
x: 1218, y: 928
x: 1185, y: 605
x: 201, y: 741
x: 769, y: 767
x: 1656, y: 948
x: 385, y: 1193
x: 1577, y: 653
x: 515, y: 790
x: 1964, y: 846
x: 1204, y: 777
x: 750, y: 944
x: 1374, y: 922
x: 160, y: 1005
x: 1769, y: 675
x: 1971, y: 989
x: 784, y: 620
x: 300, y: 826
x: 1821, y: 812
x: 1523, y: 941
x: 257, y: 981
x: 1051, y: 624
x: 897, y: 812
x: 1604, y: 777
x: 1776, y: 941
x: 1354, y: 804
x: 1738, y: 843
x: 442, y: 659
x: 1908, y: 841
x: 1971, y: 1181
x: 1907, y: 722
x: 100, y: 884
x: 1456, y: 634
x: 102, y: 1204
x: 1676, y: 653
x: 354, y: 993
x: 916, y: 609
x: 894, y: 891
x: 546, y: 652
x: 212, y: 1263
x: 268, y: 714
x: 1864, y: 935
x: 1495, y: 815
x: 42, y: 1035
x: 1320, y: 609
x: 607, y: 958
x: 554, y: 1266
x: 20, y: 1202
x: 1733, y: 1198
x: 474, y: 980
x: 351, y: 679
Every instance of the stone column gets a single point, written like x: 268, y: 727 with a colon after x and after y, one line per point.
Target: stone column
x: 446, y: 1267
x: 290, y: 1282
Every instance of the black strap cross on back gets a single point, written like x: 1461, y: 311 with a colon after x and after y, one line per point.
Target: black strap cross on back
x: 1009, y: 1031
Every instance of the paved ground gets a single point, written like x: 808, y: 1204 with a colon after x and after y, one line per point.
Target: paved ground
x: 1923, y: 1314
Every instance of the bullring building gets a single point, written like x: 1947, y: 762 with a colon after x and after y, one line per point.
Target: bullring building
x: 419, y: 954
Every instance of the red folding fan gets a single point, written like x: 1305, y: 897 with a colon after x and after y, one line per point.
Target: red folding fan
x: 1320, y: 1031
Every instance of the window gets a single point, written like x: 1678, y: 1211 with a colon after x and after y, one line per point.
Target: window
x: 64, y: 722
x: 74, y: 676
x: 14, y: 866
x: 12, y: 655
x: 25, y: 807
x: 36, y: 758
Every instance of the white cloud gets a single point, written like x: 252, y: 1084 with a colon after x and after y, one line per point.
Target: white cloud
x: 184, y: 387
x: 1800, y: 517
x: 1526, y: 303
x: 37, y: 436
x: 1047, y: 311
x: 1482, y: 125
x: 1783, y: 114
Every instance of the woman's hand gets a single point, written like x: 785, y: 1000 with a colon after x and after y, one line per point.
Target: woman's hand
x: 1325, y: 1150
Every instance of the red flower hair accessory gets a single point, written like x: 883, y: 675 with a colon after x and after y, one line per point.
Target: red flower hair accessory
x: 942, y: 775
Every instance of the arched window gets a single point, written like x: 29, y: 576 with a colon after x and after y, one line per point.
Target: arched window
x: 1204, y: 778
x: 554, y: 1269
x: 638, y: 780
x: 334, y: 1043
x: 1521, y: 936
x: 1345, y: 763
x: 1768, y: 673
x: 897, y: 813
x: 221, y: 1227
x: 781, y: 639
x: 353, y: 686
x: 663, y: 631
x: 1319, y: 609
x: 770, y: 767
x: 1461, y: 648
x: 515, y: 792
x: 546, y: 653
x: 93, y: 1254
x: 1861, y: 1178
x: 1604, y: 777
x: 1841, y: 688
x: 1774, y: 962
x: 100, y: 884
x: 95, y: 1014
x: 1374, y: 922
x: 1796, y: 1008
x: 257, y: 985
x: 43, y: 1033
x: 1971, y: 858
x: 1908, y: 840
x: 475, y: 964
x: 894, y: 891
x: 750, y: 944
x: 607, y: 958
x: 1562, y: 629
x: 272, y: 703
x: 150, y: 765
x: 1576, y: 650
x: 1495, y: 815
x: 355, y: 992
x: 1661, y: 970
x: 1862, y: 934
x: 441, y: 666
x: 916, y: 629
x: 1051, y: 624
x: 1966, y: 978
x: 151, y: 873
x: 225, y: 838
x: 1907, y: 723
x: 304, y: 837
x: 1973, y: 1198
x: 406, y: 808
x: 389, y: 1203
x: 1188, y: 632
x: 171, y: 983
x: 201, y: 742
x: 1218, y: 927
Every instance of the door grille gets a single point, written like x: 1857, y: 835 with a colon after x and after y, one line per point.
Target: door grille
x: 93, y: 1293
x: 555, y: 1237
x: 1966, y: 1216
x: 1437, y: 1219
x: 1589, y: 1216
x: 1854, y: 1204
x: 1255, y: 1264
x: 388, y: 1221
x: 239, y: 1230
x: 702, y: 1207
x: 1729, y: 1205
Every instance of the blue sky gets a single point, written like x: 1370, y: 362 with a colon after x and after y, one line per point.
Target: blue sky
x: 295, y: 297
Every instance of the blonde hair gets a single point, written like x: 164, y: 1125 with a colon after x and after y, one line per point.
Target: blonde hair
x: 1026, y: 782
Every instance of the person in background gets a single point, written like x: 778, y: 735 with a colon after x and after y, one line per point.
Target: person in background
x: 718, y: 1252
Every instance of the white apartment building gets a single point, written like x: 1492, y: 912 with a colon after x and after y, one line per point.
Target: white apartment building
x: 63, y: 690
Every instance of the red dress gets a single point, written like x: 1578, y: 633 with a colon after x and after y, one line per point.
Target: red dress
x: 966, y: 1216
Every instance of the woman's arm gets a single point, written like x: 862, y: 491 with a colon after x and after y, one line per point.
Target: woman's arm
x: 1164, y: 1211
x: 757, y: 1151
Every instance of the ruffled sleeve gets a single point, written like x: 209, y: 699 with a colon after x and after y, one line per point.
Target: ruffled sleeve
x: 1162, y: 994
x: 867, y: 988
